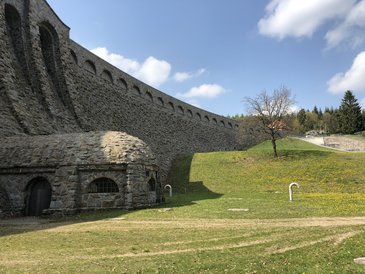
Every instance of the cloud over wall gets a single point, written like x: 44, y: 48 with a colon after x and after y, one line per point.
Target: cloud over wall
x: 152, y: 71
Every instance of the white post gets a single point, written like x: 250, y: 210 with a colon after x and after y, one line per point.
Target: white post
x: 170, y: 189
x: 291, y: 190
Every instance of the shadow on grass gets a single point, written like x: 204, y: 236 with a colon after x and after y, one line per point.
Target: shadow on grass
x: 185, y: 194
x: 295, y: 154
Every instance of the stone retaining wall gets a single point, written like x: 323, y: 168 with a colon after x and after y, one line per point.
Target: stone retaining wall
x: 344, y: 143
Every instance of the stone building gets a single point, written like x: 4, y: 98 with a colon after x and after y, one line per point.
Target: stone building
x: 77, y: 171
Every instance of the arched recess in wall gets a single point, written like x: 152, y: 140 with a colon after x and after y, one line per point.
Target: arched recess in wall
x: 152, y: 185
x: 171, y: 106
x: 122, y: 83
x: 230, y: 125
x: 206, y: 119
x: 49, y: 42
x: 214, y: 121
x: 14, y: 29
x: 180, y: 110
x: 190, y: 113
x: 198, y: 115
x: 39, y: 196
x: 160, y: 101
x: 18, y: 56
x: 222, y: 123
x: 149, y: 96
x: 103, y: 185
x: 74, y: 57
x: 90, y: 66
x: 107, y: 76
x: 136, y: 91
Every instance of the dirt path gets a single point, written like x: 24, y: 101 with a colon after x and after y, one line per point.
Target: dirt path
x: 186, y: 223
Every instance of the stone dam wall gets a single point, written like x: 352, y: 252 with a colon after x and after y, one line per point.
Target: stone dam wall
x: 49, y: 84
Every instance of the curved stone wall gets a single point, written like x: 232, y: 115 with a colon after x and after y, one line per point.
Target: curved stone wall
x: 65, y: 88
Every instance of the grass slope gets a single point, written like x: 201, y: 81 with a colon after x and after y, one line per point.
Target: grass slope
x: 332, y: 183
x: 194, y: 232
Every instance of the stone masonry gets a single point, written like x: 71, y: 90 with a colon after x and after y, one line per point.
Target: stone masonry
x: 50, y: 86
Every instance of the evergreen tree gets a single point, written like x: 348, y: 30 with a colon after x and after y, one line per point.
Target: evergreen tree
x: 315, y: 110
x: 301, y: 116
x: 350, y: 118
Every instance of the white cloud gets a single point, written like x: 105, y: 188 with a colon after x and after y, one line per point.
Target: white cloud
x: 193, y: 102
x: 351, y: 30
x: 300, y: 18
x: 152, y: 71
x: 203, y: 91
x: 353, y: 79
x: 291, y: 18
x: 125, y: 64
x: 183, y: 76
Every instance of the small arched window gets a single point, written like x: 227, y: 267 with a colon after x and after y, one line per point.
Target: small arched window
x: 103, y: 185
x: 222, y: 124
x: 206, y: 118
x: 90, y: 66
x: 136, y: 91
x: 215, y: 121
x: 106, y: 75
x: 121, y: 82
x: 199, y: 116
x: 190, y: 113
x: 149, y: 96
x: 74, y: 57
x: 160, y: 101
x: 171, y: 106
x: 180, y: 110
x: 152, y: 185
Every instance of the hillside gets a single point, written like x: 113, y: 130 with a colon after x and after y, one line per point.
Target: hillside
x: 332, y: 183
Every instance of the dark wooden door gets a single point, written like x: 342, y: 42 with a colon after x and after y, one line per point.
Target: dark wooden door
x: 40, y: 197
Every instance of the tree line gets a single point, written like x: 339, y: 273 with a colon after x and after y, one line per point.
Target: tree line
x: 348, y: 118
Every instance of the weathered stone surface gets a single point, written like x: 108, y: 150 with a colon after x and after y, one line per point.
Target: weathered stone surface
x: 68, y: 117
x: 70, y: 163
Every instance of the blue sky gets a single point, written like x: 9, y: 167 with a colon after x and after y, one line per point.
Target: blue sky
x: 213, y: 53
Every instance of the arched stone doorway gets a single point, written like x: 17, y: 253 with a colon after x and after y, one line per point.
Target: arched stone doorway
x: 39, y: 198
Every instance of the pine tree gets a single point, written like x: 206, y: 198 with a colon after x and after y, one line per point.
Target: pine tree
x: 301, y: 116
x: 350, y: 118
x: 315, y: 110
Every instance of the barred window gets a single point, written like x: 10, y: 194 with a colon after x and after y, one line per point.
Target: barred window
x: 103, y: 185
x: 152, y: 184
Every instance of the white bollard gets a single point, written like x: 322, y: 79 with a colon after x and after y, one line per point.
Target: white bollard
x: 170, y: 189
x: 291, y: 190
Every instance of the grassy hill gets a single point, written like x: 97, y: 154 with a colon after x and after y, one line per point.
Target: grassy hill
x: 332, y: 183
x: 229, y: 214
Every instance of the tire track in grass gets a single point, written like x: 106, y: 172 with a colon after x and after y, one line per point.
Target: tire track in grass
x: 336, y: 238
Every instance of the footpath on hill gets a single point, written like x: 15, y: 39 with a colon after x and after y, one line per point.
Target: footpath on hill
x: 342, y: 143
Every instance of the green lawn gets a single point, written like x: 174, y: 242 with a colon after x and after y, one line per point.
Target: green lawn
x: 229, y: 214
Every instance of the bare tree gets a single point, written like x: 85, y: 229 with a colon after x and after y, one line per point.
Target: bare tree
x: 270, y: 110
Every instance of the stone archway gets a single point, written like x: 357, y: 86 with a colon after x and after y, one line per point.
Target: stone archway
x: 39, y: 198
